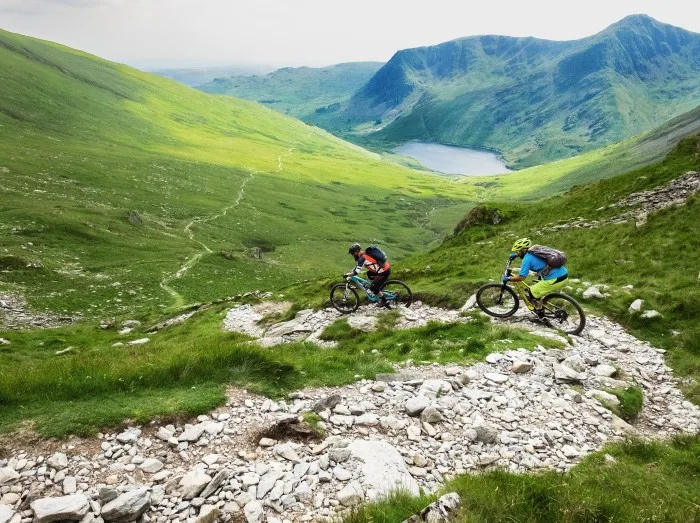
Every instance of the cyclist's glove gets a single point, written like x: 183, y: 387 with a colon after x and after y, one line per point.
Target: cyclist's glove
x: 506, y: 279
x: 512, y: 256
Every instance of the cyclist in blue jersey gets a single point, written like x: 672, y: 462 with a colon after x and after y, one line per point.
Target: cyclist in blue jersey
x: 552, y: 279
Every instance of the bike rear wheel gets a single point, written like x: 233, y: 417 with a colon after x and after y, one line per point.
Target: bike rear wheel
x: 397, y: 292
x: 344, y: 298
x: 564, y: 313
x: 497, y: 300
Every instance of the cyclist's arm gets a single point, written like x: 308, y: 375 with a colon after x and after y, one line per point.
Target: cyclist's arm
x: 524, y: 271
x: 360, y: 264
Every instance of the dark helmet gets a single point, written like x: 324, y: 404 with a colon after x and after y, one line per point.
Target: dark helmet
x: 355, y: 247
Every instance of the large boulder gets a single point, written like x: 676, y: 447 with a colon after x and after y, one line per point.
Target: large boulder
x: 383, y: 470
x: 127, y: 507
x: 63, y: 508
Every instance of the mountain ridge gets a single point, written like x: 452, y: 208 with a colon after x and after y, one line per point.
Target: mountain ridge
x: 297, y: 91
x: 536, y: 100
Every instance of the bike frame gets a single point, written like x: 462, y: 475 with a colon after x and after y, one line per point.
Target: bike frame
x: 520, y: 287
x: 363, y: 285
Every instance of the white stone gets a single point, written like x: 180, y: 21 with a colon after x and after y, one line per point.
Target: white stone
x: 593, y: 292
x: 368, y: 420
x: 435, y: 388
x: 70, y: 485
x: 606, y: 371
x: 127, y: 507
x: 351, y: 494
x: 363, y: 323
x: 636, y: 305
x: 496, y: 377
x: 62, y: 508
x: 383, y: 469
x: 8, y: 476
x: 209, y: 514
x: 520, y: 367
x: 193, y: 433
x: 140, y: 341
x: 129, y: 436
x: 253, y: 512
x: 193, y: 483
x: 415, y: 405
x: 6, y: 514
x: 58, y: 461
x: 651, y: 314
x: 566, y: 374
x: 151, y: 465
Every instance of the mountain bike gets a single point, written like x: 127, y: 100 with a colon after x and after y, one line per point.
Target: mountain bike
x: 502, y: 300
x: 345, y: 297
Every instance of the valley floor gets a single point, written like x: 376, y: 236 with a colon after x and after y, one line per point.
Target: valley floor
x: 521, y: 411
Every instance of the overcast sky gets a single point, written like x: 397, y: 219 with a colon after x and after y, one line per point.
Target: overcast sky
x: 168, y: 33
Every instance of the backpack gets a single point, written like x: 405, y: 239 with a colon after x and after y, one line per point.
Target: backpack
x: 376, y: 253
x: 552, y: 257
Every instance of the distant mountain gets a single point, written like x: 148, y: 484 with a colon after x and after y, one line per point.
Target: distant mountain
x: 194, y: 76
x: 534, y: 100
x: 299, y: 91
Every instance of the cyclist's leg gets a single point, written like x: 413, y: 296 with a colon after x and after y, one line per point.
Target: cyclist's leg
x: 378, y: 283
x: 543, y: 287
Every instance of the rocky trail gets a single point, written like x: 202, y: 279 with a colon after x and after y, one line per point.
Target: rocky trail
x: 519, y: 410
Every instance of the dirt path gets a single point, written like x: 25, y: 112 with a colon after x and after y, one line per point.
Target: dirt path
x: 197, y: 220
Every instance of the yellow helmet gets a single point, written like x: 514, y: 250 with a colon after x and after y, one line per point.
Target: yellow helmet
x: 522, y: 243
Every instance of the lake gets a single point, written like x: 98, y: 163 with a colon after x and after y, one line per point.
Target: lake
x: 448, y: 159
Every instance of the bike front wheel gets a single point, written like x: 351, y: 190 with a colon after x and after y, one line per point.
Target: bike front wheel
x: 564, y: 313
x: 344, y: 298
x: 497, y: 300
x: 397, y: 292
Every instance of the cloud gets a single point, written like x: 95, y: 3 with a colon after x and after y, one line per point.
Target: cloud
x: 41, y: 7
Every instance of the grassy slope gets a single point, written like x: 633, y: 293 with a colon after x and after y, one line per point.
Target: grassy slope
x: 85, y: 141
x: 298, y: 91
x: 184, y: 369
x: 534, y: 100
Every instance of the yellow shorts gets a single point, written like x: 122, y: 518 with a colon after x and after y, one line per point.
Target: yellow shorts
x: 544, y: 287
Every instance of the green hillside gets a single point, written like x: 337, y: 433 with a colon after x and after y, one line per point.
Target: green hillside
x: 534, y: 100
x: 298, y: 91
x: 214, y: 181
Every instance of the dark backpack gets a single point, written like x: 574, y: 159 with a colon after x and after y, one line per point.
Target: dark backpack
x: 552, y: 257
x: 376, y: 253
